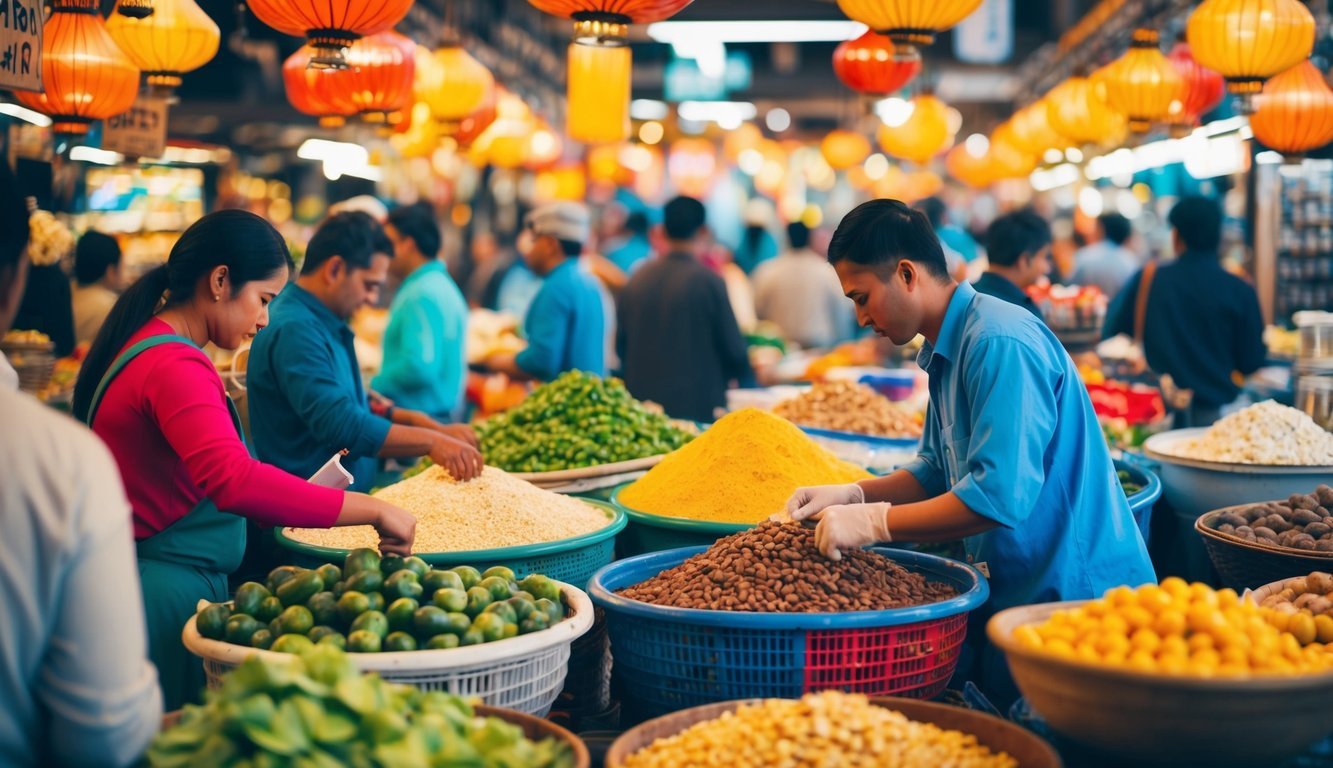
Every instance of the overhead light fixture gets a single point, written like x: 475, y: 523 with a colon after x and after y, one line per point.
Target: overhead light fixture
x: 649, y: 109
x: 1060, y: 176
x: 25, y: 114
x: 977, y: 145
x: 688, y: 32
x: 340, y: 159
x: 651, y: 132
x: 86, y: 154
x: 894, y: 112
x: 777, y: 120
x: 727, y: 114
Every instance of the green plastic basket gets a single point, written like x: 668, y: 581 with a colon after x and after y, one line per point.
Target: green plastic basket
x: 647, y: 532
x: 572, y: 560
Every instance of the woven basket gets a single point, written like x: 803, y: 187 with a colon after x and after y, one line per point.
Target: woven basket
x: 1246, y: 565
x: 35, y: 363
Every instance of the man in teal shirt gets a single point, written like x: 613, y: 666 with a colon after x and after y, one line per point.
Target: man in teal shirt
x: 425, y: 361
x: 566, y: 324
x: 1012, y: 460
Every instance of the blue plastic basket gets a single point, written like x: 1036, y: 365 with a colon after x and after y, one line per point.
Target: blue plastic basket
x: 668, y: 659
x: 573, y: 560
x: 1142, y: 503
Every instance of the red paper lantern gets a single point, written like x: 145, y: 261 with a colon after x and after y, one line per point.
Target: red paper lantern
x: 1202, y: 92
x: 616, y: 11
x: 322, y: 93
x: 379, y: 80
x: 331, y: 26
x: 85, y: 75
x: 867, y: 65
x: 1294, y: 113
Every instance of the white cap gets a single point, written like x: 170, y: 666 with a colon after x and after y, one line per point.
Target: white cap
x: 564, y: 220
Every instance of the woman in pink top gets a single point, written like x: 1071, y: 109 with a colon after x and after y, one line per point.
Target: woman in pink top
x: 151, y: 394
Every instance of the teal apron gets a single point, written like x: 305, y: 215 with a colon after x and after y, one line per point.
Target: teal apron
x: 187, y: 561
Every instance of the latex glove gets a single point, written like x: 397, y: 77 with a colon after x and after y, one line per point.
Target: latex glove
x: 851, y: 525
x: 807, y: 502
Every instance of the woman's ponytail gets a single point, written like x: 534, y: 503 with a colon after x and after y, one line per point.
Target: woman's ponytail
x: 134, y: 308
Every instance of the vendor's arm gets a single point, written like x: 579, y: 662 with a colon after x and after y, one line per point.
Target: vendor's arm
x: 410, y: 418
x: 547, y: 329
x: 920, y: 479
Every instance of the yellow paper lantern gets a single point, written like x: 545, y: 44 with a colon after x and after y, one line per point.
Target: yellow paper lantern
x: 909, y: 23
x: 599, y: 89
x: 844, y: 149
x: 544, y: 147
x: 177, y: 38
x: 452, y: 82
x: 1033, y: 132
x: 1078, y: 110
x: 971, y: 169
x: 422, y: 136
x: 566, y: 182
x: 604, y: 165
x: 924, y: 134
x: 1143, y: 84
x: 1007, y: 161
x: 1249, y: 41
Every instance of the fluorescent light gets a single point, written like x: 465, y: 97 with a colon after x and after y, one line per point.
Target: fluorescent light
x: 651, y: 132
x: 1268, y: 157
x: 28, y: 115
x: 1074, y: 155
x: 691, y: 32
x: 340, y: 159
x: 728, y: 114
x: 977, y: 145
x: 1090, y: 202
x: 1053, y: 155
x: 1219, y: 127
x: 778, y: 120
x: 648, y: 109
x: 876, y: 167
x: 894, y: 111
x: 1060, y: 176
x: 708, y: 54
x: 94, y: 155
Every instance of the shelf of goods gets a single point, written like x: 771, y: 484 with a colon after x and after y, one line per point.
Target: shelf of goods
x: 525, y: 673
x: 675, y: 658
x: 997, y: 743
x: 1180, y: 690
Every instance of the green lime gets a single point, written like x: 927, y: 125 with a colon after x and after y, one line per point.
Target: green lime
x: 470, y: 576
x: 473, y: 637
x: 240, y: 627
x: 498, y: 587
x: 365, y: 582
x: 554, y: 610
x: 212, y: 621
x: 324, y: 607
x: 391, y: 564
x: 351, y: 605
x: 371, y: 621
x: 362, y: 641
x: 295, y: 620
x: 491, y: 626
x: 248, y: 597
x: 522, y: 608
x: 377, y: 601
x: 499, y: 572
x: 269, y: 609
x: 399, y: 641
x: 279, y: 575
x: 458, y: 624
x: 477, y: 600
x: 300, y: 588
x: 261, y: 639
x: 429, y: 621
x: 451, y: 599
x: 417, y: 565
x: 524, y: 595
x: 320, y: 632
x: 504, y: 610
x: 540, y: 586
x: 534, y: 623
x: 331, y: 574
x: 436, y: 580
x: 335, y: 639
x: 400, y: 614
x: 339, y: 588
x: 511, y: 630
x: 294, y: 644
x: 404, y: 583
x: 443, y: 642
x: 360, y: 560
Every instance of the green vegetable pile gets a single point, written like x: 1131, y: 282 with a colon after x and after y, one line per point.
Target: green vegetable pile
x: 391, y: 604
x: 317, y: 711
x: 1127, y: 483
x: 578, y: 420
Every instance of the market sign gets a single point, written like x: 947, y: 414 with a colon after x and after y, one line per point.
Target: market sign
x: 141, y: 132
x: 21, y: 44
x: 987, y: 36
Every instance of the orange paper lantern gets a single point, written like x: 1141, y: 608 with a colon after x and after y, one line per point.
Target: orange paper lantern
x: 321, y: 93
x: 1007, y: 161
x: 1294, y: 113
x: 924, y: 134
x: 1078, y: 110
x: 178, y: 37
x: 973, y: 170
x: 868, y: 65
x: 1033, y: 132
x: 453, y: 83
x: 379, y: 79
x: 1143, y: 84
x: 843, y: 149
x: 330, y: 26
x: 1249, y: 41
x: 909, y: 23
x: 85, y: 75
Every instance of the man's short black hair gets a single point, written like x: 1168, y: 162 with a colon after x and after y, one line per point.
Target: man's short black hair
x: 1115, y: 227
x: 1015, y: 234
x: 637, y: 223
x: 13, y: 220
x: 417, y: 222
x: 572, y: 248
x: 798, y: 235
x: 1199, y: 222
x: 683, y: 217
x: 879, y: 233
x: 95, y: 253
x: 353, y: 235
x: 935, y: 210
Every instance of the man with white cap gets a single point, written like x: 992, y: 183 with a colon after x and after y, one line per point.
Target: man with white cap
x: 566, y: 324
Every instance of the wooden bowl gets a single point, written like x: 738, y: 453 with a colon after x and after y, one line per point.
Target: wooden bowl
x: 999, y: 735
x: 1159, y: 719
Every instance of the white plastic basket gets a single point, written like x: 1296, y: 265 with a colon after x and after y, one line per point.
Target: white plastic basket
x: 524, y: 673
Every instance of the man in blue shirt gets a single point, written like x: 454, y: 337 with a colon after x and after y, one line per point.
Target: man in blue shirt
x: 1012, y: 460
x: 425, y: 363
x: 1107, y: 263
x: 305, y: 393
x: 1019, y: 248
x: 566, y: 324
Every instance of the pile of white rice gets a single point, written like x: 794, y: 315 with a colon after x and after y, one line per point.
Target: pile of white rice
x: 494, y: 510
x: 1264, y: 433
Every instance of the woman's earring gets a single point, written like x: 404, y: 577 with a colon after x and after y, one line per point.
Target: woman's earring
x: 216, y: 298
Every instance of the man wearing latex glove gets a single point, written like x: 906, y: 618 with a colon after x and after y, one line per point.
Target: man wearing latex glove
x: 1012, y: 458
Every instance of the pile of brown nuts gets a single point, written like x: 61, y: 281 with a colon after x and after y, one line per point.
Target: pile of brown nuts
x: 845, y: 406
x: 1300, y: 522
x: 776, y: 568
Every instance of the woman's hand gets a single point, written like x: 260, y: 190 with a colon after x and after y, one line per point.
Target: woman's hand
x: 397, y: 529
x: 461, y: 460
x: 462, y: 433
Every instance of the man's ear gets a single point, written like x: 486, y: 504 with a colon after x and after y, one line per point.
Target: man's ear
x: 334, y: 269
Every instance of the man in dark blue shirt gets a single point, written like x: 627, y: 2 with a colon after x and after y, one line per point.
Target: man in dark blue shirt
x: 306, y: 397
x: 1019, y: 248
x: 1201, y: 324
